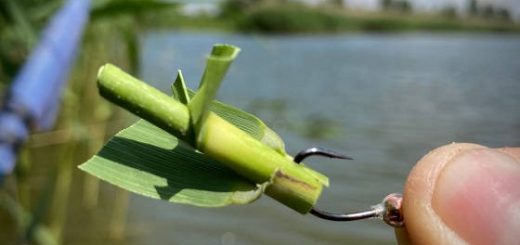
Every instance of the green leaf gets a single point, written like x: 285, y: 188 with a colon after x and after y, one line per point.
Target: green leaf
x: 149, y: 161
x: 249, y: 124
x: 179, y: 89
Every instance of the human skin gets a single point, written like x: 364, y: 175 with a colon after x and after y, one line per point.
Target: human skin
x: 463, y: 194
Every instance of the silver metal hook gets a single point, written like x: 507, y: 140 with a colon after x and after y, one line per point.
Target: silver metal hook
x: 389, y: 210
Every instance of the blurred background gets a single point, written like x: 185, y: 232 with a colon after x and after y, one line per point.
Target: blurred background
x: 381, y: 81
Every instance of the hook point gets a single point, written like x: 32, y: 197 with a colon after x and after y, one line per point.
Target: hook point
x: 321, y: 152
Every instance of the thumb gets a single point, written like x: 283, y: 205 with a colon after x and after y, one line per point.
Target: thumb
x: 463, y: 193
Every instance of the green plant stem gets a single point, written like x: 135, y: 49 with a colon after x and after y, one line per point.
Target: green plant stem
x: 60, y: 201
x: 217, y: 64
x: 40, y: 234
x: 91, y: 183
x: 117, y: 225
x: 143, y: 100
x: 23, y: 167
x: 293, y: 185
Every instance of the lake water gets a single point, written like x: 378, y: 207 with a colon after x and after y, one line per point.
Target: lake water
x: 384, y: 99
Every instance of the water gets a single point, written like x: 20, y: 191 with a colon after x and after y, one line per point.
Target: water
x: 386, y: 100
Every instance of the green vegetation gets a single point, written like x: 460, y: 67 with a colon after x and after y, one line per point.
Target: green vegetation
x: 487, y: 11
x: 290, y: 17
x: 294, y: 18
x: 397, y: 17
x: 172, y: 18
x: 41, y: 198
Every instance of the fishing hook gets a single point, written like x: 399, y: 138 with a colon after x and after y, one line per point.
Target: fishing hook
x: 389, y: 210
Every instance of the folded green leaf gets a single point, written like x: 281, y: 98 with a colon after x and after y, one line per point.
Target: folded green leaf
x: 148, y: 161
x: 249, y: 124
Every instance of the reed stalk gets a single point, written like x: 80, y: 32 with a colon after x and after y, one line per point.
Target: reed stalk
x: 117, y: 226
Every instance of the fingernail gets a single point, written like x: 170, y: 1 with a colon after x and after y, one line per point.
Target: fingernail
x: 477, y: 195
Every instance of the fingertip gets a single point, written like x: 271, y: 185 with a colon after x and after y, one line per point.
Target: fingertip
x: 463, y: 193
x: 423, y: 225
x: 477, y: 196
x: 514, y: 152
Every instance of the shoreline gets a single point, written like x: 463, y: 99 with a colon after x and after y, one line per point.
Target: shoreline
x: 297, y: 20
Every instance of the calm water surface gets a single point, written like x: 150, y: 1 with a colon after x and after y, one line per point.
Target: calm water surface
x: 386, y: 100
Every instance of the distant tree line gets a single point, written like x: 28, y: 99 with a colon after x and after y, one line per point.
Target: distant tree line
x: 474, y: 9
x: 487, y: 11
x: 233, y: 8
x: 396, y: 5
x: 337, y: 3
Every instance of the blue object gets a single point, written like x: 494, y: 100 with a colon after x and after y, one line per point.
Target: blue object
x: 33, y: 98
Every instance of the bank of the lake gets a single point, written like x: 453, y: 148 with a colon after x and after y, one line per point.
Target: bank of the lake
x: 303, y: 19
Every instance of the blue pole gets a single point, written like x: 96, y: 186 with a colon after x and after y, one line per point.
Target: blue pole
x: 32, y: 100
